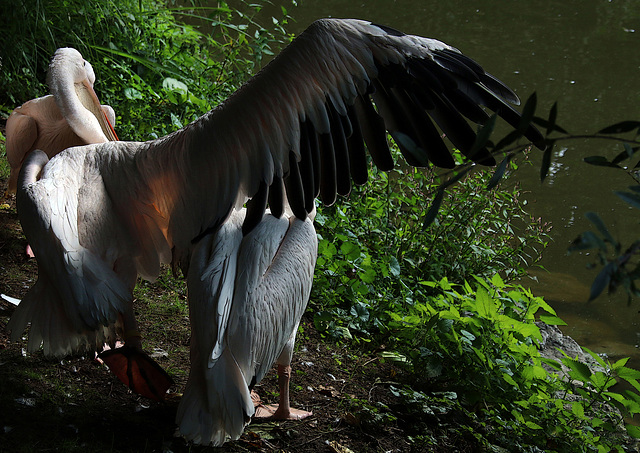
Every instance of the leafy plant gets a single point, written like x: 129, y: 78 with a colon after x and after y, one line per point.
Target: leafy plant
x: 478, y: 346
x: 363, y: 255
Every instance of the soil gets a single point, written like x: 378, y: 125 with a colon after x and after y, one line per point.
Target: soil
x: 76, y: 404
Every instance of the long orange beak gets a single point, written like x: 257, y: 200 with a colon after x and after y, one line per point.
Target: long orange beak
x: 89, y: 100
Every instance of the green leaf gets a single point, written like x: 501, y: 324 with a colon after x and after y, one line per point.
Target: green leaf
x: 630, y: 198
x: 499, y: 173
x: 546, y: 162
x: 394, y: 266
x: 360, y: 311
x: 552, y: 363
x: 497, y: 281
x: 600, y: 161
x: 350, y: 250
x: 580, y: 369
x: 621, y: 127
x: 485, y: 305
x: 532, y: 425
x: 171, y: 84
x: 577, y: 409
x: 633, y: 431
x: 552, y: 320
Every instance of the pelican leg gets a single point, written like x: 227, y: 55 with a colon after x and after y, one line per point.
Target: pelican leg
x: 283, y: 411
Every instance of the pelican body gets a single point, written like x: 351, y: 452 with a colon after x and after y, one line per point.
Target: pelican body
x: 246, y: 297
x: 70, y: 116
x: 296, y: 131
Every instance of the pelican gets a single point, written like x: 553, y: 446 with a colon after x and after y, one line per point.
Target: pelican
x: 296, y: 131
x: 247, y: 294
x: 70, y: 116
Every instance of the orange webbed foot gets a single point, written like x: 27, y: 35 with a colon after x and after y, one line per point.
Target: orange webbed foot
x: 138, y: 371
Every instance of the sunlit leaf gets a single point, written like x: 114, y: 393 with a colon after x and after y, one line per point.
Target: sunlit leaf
x: 171, y: 84
x: 350, y: 250
x: 633, y: 431
x: 581, y: 369
x: 552, y: 320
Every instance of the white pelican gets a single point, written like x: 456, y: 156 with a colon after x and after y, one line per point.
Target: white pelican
x: 70, y: 116
x: 297, y: 130
x: 246, y: 297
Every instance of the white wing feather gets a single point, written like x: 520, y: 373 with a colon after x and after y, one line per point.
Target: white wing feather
x: 237, y: 339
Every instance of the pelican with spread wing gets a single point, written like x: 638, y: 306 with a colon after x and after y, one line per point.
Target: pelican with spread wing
x: 300, y: 129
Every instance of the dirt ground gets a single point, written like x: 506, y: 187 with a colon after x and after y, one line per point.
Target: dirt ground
x: 76, y: 404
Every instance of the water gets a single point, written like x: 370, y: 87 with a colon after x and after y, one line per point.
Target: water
x: 582, y: 54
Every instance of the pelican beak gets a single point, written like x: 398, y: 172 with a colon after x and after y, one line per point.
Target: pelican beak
x: 89, y: 100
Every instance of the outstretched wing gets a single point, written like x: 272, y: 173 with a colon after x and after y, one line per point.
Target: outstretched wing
x: 298, y: 129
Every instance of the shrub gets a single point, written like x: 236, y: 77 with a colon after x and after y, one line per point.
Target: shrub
x: 371, y: 259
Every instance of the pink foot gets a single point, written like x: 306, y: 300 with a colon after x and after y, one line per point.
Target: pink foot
x: 273, y: 412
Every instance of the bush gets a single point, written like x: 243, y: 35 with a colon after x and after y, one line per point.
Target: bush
x: 371, y: 260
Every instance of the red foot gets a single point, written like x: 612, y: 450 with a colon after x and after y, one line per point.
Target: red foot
x: 138, y: 371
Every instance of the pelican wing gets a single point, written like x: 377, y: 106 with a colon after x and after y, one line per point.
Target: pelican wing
x: 246, y: 297
x: 22, y: 133
x: 298, y: 129
x: 82, y: 293
x: 275, y: 272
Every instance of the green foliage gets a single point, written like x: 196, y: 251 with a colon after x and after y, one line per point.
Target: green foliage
x: 385, y: 282
x: 157, y: 70
x: 370, y: 261
x: 473, y: 354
